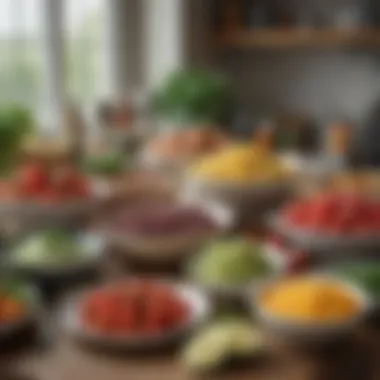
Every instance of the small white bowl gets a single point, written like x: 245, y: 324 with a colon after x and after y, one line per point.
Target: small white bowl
x: 343, y: 246
x: 169, y: 249
x: 200, y: 310
x: 311, y: 333
x: 93, y: 250
x: 236, y: 194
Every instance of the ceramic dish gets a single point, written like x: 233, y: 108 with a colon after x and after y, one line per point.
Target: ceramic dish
x: 311, y: 333
x: 237, y: 194
x: 93, y: 249
x: 346, y: 246
x: 43, y: 212
x: 170, y: 249
x: 200, y: 310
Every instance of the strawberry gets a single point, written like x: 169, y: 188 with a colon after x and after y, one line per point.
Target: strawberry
x: 32, y: 180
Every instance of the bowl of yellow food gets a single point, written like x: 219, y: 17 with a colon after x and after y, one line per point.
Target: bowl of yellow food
x: 237, y: 174
x: 311, y: 308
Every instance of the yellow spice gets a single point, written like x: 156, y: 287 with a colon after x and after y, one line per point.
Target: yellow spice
x: 240, y: 162
x: 310, y: 300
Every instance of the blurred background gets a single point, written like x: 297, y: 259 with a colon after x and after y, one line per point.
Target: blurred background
x: 316, y: 60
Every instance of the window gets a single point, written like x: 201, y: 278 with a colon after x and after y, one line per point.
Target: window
x: 21, y: 51
x: 84, y: 36
x: 24, y: 76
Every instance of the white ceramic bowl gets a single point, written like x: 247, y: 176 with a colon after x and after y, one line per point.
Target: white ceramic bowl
x: 93, y: 250
x: 344, y: 246
x: 200, y: 310
x: 169, y: 249
x: 43, y: 212
x: 236, y: 194
x: 309, y: 333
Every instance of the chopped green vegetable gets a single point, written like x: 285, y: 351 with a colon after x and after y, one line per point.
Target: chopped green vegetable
x: 107, y: 164
x: 47, y: 248
x: 221, y: 341
x: 230, y: 262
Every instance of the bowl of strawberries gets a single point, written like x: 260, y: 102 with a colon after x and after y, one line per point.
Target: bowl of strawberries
x: 36, y: 190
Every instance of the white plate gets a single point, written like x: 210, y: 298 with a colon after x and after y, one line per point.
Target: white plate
x: 311, y: 333
x: 93, y: 249
x: 200, y: 310
x: 172, y: 248
x: 343, y: 246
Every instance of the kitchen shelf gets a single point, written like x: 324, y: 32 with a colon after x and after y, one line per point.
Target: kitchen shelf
x: 299, y: 38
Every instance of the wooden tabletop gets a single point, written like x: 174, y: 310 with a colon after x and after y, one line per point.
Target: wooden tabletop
x: 355, y: 359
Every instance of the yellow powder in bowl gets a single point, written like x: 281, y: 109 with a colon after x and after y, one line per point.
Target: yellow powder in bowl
x: 311, y: 300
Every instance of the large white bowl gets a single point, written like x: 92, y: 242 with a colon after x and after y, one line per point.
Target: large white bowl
x: 93, y: 250
x: 169, y: 249
x: 200, y: 310
x: 306, y: 332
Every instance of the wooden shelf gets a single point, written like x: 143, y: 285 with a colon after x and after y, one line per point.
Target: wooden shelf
x: 299, y: 38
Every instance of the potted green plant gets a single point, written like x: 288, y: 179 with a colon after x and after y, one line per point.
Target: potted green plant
x: 193, y: 97
x: 16, y: 122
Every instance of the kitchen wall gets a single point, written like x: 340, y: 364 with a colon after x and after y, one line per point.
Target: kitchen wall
x: 326, y: 85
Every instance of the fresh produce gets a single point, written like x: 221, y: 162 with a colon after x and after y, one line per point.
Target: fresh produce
x: 164, y: 219
x: 106, y: 164
x: 184, y: 145
x: 230, y: 262
x: 13, y: 301
x: 50, y: 247
x: 34, y: 182
x: 216, y: 344
x: 335, y: 213
x: 134, y: 308
x: 16, y: 122
x: 240, y: 163
x: 367, y: 275
x: 310, y: 300
x: 193, y: 96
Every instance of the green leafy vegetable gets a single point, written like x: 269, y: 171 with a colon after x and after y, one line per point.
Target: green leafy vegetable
x: 107, y: 164
x: 193, y: 96
x: 15, y: 123
x: 48, y: 247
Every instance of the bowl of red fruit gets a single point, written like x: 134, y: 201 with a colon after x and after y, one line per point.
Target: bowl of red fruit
x: 164, y: 232
x: 331, y: 221
x: 135, y: 314
x: 35, y: 190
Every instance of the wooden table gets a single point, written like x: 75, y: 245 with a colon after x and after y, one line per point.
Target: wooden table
x: 358, y: 359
